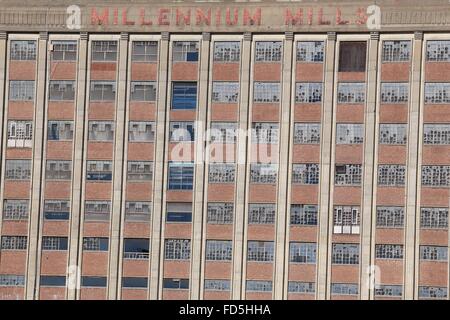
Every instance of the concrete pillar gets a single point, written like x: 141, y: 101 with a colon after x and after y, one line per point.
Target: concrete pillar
x: 77, y: 172
x: 158, y: 175
x: 369, y: 171
x: 3, y: 55
x: 325, y: 167
x: 241, y: 169
x: 283, y: 169
x: 118, y: 167
x: 413, y: 172
x: 37, y: 163
x: 199, y: 163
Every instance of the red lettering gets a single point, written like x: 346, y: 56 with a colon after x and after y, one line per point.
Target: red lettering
x: 100, y: 20
x: 310, y: 16
x: 320, y: 18
x: 202, y: 17
x: 218, y: 17
x: 256, y: 19
x: 142, y: 20
x: 163, y: 20
x: 116, y: 16
x: 125, y: 20
x: 290, y: 19
x: 183, y: 18
x: 228, y: 20
x: 362, y: 16
x: 339, y: 17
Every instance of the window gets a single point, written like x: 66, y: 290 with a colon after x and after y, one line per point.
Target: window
x: 344, y: 288
x: 391, y: 175
x: 306, y: 133
x: 177, y: 249
x: 306, y: 174
x: 136, y: 249
x: 9, y: 280
x: 217, y: 285
x: 54, y: 243
x: 229, y: 51
x: 264, y: 132
x: 223, y: 132
x: 393, y: 134
x: 181, y: 175
x: 184, y: 95
x: 182, y: 131
x: 56, y: 210
x: 219, y: 250
x: 349, y: 133
x: 396, y: 51
x: 99, y: 170
x: 97, y: 210
x: 225, y: 92
x: 432, y: 292
x: 141, y: 131
x: 308, y: 92
x: 436, y: 176
x: 221, y: 173
x: 20, y: 134
x: 103, y: 91
x: 60, y: 130
x: 310, y: 51
x: 345, y: 253
x: 437, y: 92
x: 268, y: 51
x: 21, y: 90
x: 179, y: 212
x: 302, y: 252
x: 144, y: 51
x: 104, y: 50
x: 58, y: 170
x: 64, y: 50
x: 138, y: 211
x: 351, y: 92
x: 16, y: 209
x: 143, y: 91
x: 389, y: 251
x: 220, y: 213
x: 261, y: 213
x: 14, y: 243
x: 139, y: 170
x: 134, y: 282
x: 23, y: 50
x: 394, y: 92
x: 437, y: 134
x: 263, y: 173
x: 434, y: 218
x: 389, y: 291
x: 266, y: 92
x: 301, y: 287
x: 169, y: 283
x: 348, y: 175
x: 390, y: 217
x: 346, y: 219
x: 352, y: 56
x: 303, y: 215
x: 93, y: 282
x: 438, y: 50
x: 95, y: 244
x: 433, y: 253
x: 18, y: 170
x: 60, y: 90
x: 185, y: 51
x: 52, y: 281
x: 260, y: 251
x: 258, y: 286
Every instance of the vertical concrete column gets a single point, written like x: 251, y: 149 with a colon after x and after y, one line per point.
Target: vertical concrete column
x: 325, y: 167
x: 369, y: 171
x: 283, y: 168
x: 38, y: 137
x: 119, y: 144
x: 241, y: 170
x: 200, y: 167
x: 77, y: 169
x: 158, y: 176
x: 413, y: 166
x: 3, y: 57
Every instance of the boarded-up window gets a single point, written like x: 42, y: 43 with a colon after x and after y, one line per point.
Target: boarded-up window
x: 352, y: 56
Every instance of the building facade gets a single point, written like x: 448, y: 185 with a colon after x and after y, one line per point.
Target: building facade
x: 224, y: 150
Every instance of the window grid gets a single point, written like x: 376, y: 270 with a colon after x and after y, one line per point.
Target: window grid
x: 97, y: 210
x: 389, y: 290
x: 141, y: 131
x: 391, y: 175
x: 219, y: 250
x: 308, y: 92
x: 260, y: 251
x: 223, y: 132
x: 302, y: 252
x: 227, y: 51
x: 56, y: 209
x: 61, y: 90
x: 433, y: 253
x: 351, y: 92
x: 266, y: 92
x: 16, y: 209
x: 348, y: 175
x: 389, y: 251
x: 177, y: 249
x: 143, y: 91
x: 221, y: 173
x: 185, y: 51
x: 54, y: 243
x: 139, y: 170
x: 438, y: 50
x: 437, y: 92
x: 346, y: 219
x: 303, y: 215
x: 23, y: 50
x: 263, y: 173
x: 181, y: 175
x: 144, y: 51
x: 396, y: 51
x: 261, y: 213
x: 345, y: 253
x: 64, y: 50
x: 21, y: 90
x: 217, y: 285
x: 225, y: 92
x: 436, y: 176
x: 98, y: 170
x: 104, y: 50
x: 14, y: 243
x: 310, y: 51
x: 268, y: 51
x: 60, y: 130
x: 307, y: 133
x: 138, y: 211
x: 393, y: 134
x: 265, y: 132
x: 301, y: 287
x: 18, y: 169
x: 436, y: 134
x: 390, y: 217
x: 58, y: 170
x: 434, y: 218
x: 10, y: 280
x: 305, y: 173
x: 394, y: 92
x: 220, y: 213
x: 20, y: 134
x: 349, y: 133
x: 432, y: 292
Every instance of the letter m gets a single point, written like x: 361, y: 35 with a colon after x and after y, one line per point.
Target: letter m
x: 290, y: 19
x: 100, y: 20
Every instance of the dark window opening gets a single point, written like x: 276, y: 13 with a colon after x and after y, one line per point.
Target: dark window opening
x: 352, y: 56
